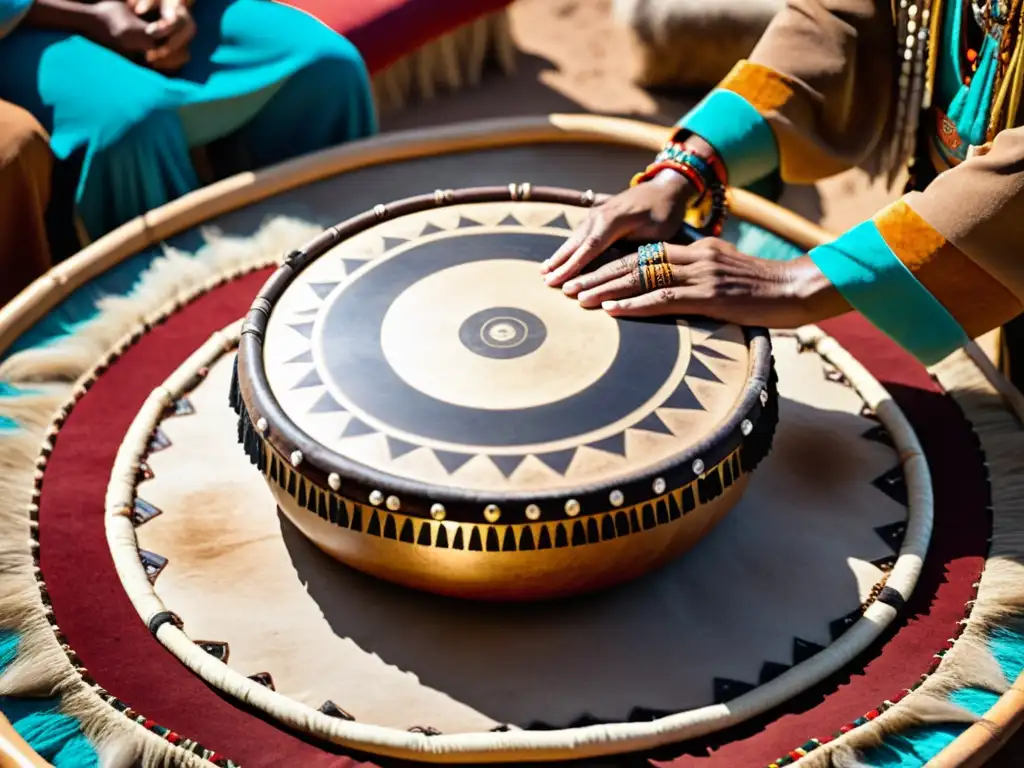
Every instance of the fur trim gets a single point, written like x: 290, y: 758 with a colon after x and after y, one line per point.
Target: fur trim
x: 42, y: 667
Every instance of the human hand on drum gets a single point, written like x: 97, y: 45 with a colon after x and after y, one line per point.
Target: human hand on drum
x: 713, y: 279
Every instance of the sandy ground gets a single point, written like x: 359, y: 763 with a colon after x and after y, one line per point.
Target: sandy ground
x: 574, y: 58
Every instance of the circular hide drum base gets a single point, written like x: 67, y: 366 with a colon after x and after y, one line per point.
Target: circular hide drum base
x: 779, y: 582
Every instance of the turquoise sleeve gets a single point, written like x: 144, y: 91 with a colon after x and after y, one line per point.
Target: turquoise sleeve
x: 877, y: 284
x: 11, y: 12
x: 742, y: 138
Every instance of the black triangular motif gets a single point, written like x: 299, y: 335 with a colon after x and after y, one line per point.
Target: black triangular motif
x: 331, y: 709
x: 614, y: 444
x: 218, y: 650
x: 452, y: 461
x: 892, y: 534
x: 652, y: 423
x: 769, y: 671
x: 322, y: 290
x: 143, y: 511
x: 430, y: 229
x: 306, y: 329
x: 303, y: 357
x: 351, y: 265
x: 709, y: 352
x: 159, y: 441
x: 510, y: 221
x: 804, y: 649
x: 698, y: 370
x: 357, y: 428
x: 264, y: 679
x: 893, y: 485
x: 393, y: 242
x: 326, y: 404
x: 879, y: 434
x: 152, y: 563
x: 838, y: 627
x: 182, y: 407
x: 464, y: 222
x: 726, y: 690
x: 311, y: 379
x: 683, y: 399
x: 398, y: 448
x: 507, y: 464
x: 558, y: 461
x: 559, y: 222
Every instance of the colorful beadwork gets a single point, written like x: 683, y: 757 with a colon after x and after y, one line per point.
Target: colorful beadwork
x: 813, y: 744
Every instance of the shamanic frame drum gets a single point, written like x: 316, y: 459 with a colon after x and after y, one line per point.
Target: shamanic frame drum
x: 427, y: 410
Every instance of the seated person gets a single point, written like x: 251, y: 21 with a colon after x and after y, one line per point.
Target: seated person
x: 825, y: 90
x: 130, y: 90
x: 26, y: 167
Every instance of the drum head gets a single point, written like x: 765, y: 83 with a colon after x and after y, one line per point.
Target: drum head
x: 429, y: 349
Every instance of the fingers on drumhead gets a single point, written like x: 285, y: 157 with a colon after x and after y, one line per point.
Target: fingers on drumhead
x: 619, y: 267
x: 618, y: 288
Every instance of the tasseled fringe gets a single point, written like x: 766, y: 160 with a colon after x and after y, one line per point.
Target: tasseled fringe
x: 758, y: 444
x: 251, y: 441
x: 451, y: 62
x: 235, y: 393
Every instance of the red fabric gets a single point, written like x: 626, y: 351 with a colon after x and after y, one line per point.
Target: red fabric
x: 119, y: 652
x: 386, y: 30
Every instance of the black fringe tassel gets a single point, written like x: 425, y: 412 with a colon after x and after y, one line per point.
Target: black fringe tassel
x: 235, y: 394
x: 759, y: 442
x: 251, y: 441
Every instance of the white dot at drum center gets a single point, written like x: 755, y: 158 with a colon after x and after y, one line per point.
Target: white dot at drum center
x: 420, y: 338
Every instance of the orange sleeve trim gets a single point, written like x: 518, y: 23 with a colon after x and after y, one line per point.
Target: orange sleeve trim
x: 971, y: 295
x: 764, y: 88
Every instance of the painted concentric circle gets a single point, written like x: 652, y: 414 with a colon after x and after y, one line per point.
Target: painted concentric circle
x: 429, y: 348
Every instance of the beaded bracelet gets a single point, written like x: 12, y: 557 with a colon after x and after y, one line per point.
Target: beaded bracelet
x: 692, y: 175
x: 710, y: 170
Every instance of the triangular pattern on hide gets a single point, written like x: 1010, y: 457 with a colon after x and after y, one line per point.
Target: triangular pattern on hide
x: 559, y: 222
x: 311, y: 379
x: 804, y: 649
x: 697, y: 369
x: 323, y: 290
x: 726, y: 690
x: 615, y: 444
x: 893, y: 533
x: 452, y: 461
x: 327, y: 404
x: 893, y: 484
x: 652, y: 423
x: 305, y: 329
x: 357, y: 428
x: 507, y: 464
x: 558, y: 461
x: 709, y: 352
x: 430, y: 229
x: 838, y: 627
x: 220, y: 651
x: 510, y: 221
x: 467, y: 222
x: 302, y: 357
x: 398, y: 448
x: 683, y: 398
x: 393, y: 242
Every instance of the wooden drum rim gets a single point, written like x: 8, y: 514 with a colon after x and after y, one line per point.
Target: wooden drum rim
x: 360, y: 480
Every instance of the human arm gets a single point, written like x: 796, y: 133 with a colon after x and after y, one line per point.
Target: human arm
x: 812, y: 100
x: 932, y: 270
x: 108, y: 22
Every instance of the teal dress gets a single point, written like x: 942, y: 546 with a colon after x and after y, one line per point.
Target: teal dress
x: 272, y: 78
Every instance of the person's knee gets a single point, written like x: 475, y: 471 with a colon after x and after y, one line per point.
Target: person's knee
x: 23, y: 141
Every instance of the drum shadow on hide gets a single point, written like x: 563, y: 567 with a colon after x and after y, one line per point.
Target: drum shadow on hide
x: 780, y: 578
